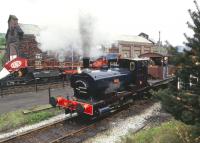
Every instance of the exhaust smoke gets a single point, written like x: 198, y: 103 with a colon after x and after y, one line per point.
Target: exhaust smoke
x: 86, y: 28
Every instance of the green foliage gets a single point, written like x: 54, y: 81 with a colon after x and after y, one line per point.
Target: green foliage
x: 10, y: 120
x: 16, y: 119
x: 187, y: 116
x: 169, y: 101
x: 169, y: 132
x: 36, y: 117
x: 2, y: 46
x: 191, y: 60
x: 184, y: 106
x: 176, y: 57
x: 2, y: 41
x: 1, y: 56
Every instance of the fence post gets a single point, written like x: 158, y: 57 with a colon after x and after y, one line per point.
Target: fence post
x: 36, y: 88
x: 63, y: 81
x: 49, y: 89
x: 1, y: 93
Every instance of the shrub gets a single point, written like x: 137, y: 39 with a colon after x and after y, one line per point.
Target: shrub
x: 169, y: 132
x: 183, y: 105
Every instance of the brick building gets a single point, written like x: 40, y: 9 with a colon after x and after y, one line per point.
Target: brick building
x: 21, y: 40
x: 129, y: 46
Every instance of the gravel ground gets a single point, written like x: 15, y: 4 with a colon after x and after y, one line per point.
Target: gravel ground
x: 121, y: 127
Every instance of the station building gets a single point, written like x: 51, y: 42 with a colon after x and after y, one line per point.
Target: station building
x: 130, y: 46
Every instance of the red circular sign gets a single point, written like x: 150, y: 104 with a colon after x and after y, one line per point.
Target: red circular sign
x: 16, y: 64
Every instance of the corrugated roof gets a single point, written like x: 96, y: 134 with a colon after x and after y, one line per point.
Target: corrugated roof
x: 30, y: 29
x: 132, y: 38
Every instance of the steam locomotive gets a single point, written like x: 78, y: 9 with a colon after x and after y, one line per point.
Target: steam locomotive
x: 97, y: 92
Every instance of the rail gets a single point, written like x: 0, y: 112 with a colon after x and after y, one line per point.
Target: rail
x: 35, y: 130
x: 66, y: 128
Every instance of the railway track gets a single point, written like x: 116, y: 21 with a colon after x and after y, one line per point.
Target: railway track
x: 25, y: 136
x: 72, y: 129
x: 73, y: 134
x: 30, y: 87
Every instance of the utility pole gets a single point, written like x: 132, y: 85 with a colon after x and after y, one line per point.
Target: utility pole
x: 72, y: 57
x: 159, y: 42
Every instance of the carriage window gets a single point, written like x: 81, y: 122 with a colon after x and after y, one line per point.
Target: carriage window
x: 132, y: 66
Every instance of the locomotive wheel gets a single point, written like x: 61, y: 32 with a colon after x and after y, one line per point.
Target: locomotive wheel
x: 53, y: 101
x: 80, y: 109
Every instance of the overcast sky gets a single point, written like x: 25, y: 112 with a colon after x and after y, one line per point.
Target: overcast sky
x: 111, y: 16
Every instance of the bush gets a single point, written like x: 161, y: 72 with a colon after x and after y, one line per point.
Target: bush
x: 183, y: 105
x: 16, y: 119
x: 169, y: 132
x: 187, y: 116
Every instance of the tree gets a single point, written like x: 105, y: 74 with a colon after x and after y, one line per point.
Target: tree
x: 185, y: 104
x: 176, y: 57
x: 192, y: 56
x: 2, y: 41
x: 190, y: 67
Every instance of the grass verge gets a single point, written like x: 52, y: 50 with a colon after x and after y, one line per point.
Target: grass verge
x: 168, y: 132
x: 37, y: 108
x: 16, y: 119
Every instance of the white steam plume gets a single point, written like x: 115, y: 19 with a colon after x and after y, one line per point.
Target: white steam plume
x: 74, y: 27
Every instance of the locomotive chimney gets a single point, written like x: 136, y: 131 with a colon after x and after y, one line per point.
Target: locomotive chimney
x: 86, y: 62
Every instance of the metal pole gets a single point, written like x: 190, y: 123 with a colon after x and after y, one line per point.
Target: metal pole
x: 178, y: 84
x: 159, y: 44
x: 1, y: 91
x: 162, y: 65
x: 72, y: 57
x: 190, y: 81
x: 36, y: 89
x: 63, y: 81
x: 49, y: 89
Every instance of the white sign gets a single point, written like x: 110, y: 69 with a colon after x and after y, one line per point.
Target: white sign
x: 16, y: 64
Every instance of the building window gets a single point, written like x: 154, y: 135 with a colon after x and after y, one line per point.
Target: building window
x: 38, y: 63
x: 38, y: 56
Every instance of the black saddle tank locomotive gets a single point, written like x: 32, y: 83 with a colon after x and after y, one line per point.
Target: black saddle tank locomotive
x: 98, y: 91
